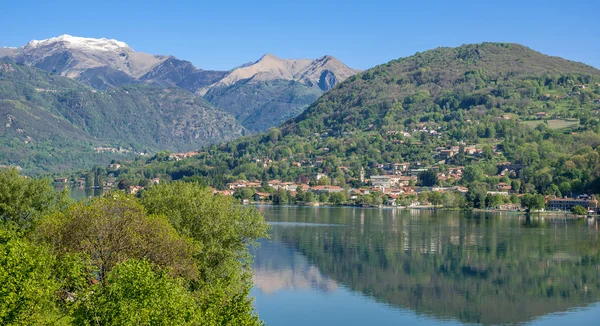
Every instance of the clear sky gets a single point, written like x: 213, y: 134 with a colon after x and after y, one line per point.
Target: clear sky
x: 222, y: 34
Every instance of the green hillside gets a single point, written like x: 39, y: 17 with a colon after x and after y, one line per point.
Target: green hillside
x: 52, y: 123
x: 442, y: 84
x: 509, y: 102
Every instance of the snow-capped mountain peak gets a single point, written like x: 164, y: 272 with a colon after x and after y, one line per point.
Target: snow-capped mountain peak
x: 81, y: 43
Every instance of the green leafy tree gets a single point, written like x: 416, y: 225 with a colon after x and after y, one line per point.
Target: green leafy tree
x: 28, y: 287
x: 579, y: 210
x: 244, y: 193
x: 111, y: 229
x: 338, y: 198
x: 323, y: 181
x: 435, y: 198
x: 223, y: 232
x: 24, y: 200
x: 324, y: 198
x: 477, y: 194
x: 137, y: 293
x: 472, y: 173
x: 533, y: 201
x: 428, y: 178
x: 493, y: 201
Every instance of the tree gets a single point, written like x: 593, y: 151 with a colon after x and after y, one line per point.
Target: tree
x: 111, y: 229
x: 435, y: 198
x: 244, y: 193
x: 533, y: 202
x: 323, y: 181
x: 338, y: 198
x: 28, y: 291
x: 90, y: 180
x: 281, y: 197
x: 324, y: 197
x: 472, y: 173
x: 476, y: 194
x: 308, y: 197
x: 579, y: 210
x: 24, y: 200
x: 493, y: 201
x: 428, y: 178
x: 136, y: 293
x: 223, y: 233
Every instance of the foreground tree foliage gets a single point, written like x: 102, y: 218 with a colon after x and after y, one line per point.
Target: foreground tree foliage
x: 112, y: 229
x: 222, y: 231
x: 138, y: 294
x: 24, y: 200
x: 179, y: 257
x: 27, y: 286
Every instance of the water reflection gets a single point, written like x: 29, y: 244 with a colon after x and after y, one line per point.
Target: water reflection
x: 279, y: 268
x: 78, y: 193
x: 488, y: 269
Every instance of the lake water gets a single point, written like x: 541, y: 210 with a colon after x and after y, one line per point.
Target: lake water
x: 352, y: 266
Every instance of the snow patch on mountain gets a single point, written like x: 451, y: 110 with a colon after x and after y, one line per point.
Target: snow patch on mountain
x: 81, y: 43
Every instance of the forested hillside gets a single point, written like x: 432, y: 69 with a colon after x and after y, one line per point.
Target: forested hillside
x: 509, y: 104
x: 53, y: 123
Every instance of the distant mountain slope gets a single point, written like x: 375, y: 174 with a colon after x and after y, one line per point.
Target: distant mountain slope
x: 272, y: 90
x: 174, y: 72
x: 323, y: 72
x: 261, y: 94
x: 40, y: 107
x: 78, y: 57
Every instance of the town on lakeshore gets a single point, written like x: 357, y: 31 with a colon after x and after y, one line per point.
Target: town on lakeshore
x: 409, y: 185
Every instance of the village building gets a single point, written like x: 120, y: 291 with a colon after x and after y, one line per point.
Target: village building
x: 566, y: 204
x: 326, y: 189
x: 135, y: 189
x: 181, y: 156
x: 262, y: 196
x: 503, y: 187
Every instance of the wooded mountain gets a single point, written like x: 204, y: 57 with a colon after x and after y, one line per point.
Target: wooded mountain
x: 260, y: 95
x: 443, y: 81
x: 53, y: 122
x: 511, y: 103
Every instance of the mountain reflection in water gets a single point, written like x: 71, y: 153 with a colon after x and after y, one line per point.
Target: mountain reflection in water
x: 280, y: 268
x: 491, y: 269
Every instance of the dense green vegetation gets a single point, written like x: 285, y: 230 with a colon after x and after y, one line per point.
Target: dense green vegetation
x: 177, y: 256
x: 487, y: 95
x: 476, y: 268
x: 53, y: 123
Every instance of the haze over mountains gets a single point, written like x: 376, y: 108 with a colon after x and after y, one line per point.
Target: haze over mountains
x: 260, y: 95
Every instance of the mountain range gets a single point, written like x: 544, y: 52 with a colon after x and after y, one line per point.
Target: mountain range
x: 260, y: 95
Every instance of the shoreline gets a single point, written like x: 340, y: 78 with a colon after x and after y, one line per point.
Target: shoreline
x: 543, y: 214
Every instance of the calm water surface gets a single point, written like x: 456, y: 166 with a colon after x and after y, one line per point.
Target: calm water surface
x: 351, y: 266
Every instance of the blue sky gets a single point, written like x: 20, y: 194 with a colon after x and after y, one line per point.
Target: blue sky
x: 223, y: 34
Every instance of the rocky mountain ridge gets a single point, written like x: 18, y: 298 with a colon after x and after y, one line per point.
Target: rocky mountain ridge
x: 260, y: 94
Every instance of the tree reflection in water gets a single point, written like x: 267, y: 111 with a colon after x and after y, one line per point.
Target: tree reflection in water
x: 477, y: 268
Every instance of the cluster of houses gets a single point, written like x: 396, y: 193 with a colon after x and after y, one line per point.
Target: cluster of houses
x: 110, y: 150
x: 181, y: 156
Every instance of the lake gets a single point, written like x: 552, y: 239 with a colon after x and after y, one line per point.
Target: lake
x: 353, y: 266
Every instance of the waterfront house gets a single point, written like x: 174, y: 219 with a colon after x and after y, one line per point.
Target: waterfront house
x: 566, y: 204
